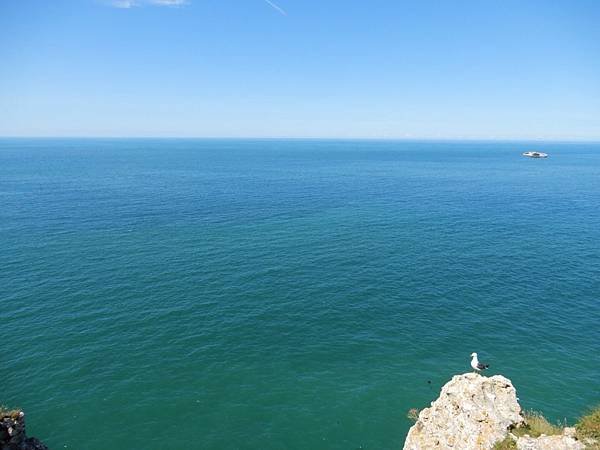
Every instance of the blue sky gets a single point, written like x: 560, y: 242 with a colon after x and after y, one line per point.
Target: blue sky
x: 301, y: 68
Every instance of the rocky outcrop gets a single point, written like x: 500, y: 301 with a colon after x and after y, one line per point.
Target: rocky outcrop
x: 565, y: 441
x: 12, y: 433
x: 476, y: 413
x: 472, y: 412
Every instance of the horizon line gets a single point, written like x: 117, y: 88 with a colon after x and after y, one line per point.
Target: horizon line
x: 324, y: 138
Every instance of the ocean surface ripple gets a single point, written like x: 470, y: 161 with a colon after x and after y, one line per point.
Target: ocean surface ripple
x: 289, y: 294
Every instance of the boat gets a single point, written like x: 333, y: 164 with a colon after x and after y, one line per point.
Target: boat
x: 535, y: 154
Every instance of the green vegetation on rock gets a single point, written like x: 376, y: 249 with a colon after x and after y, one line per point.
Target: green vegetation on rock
x: 588, y: 426
x: 413, y: 414
x: 588, y: 429
x: 508, y: 443
x: 8, y: 412
x: 537, y: 425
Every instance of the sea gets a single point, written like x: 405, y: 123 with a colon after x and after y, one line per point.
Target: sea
x: 272, y: 294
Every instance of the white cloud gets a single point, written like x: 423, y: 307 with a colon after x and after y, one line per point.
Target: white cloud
x: 125, y: 4
x: 169, y: 2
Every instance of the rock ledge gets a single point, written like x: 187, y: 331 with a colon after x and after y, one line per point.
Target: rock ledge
x: 472, y: 412
x: 12, y: 433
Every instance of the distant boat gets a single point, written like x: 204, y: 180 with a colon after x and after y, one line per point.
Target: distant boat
x: 535, y: 154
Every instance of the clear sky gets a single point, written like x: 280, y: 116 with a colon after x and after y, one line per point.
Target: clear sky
x: 301, y: 68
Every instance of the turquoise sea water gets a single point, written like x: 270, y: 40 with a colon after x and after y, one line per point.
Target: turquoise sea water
x: 267, y: 294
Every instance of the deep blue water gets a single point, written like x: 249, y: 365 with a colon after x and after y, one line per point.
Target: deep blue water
x: 270, y: 294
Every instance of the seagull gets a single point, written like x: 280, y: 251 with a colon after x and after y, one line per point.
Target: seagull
x: 476, y: 365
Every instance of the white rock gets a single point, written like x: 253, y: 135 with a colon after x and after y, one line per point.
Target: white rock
x: 561, y: 442
x: 473, y: 412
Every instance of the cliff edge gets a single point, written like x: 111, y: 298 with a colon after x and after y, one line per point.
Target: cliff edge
x: 12, y: 433
x: 474, y: 412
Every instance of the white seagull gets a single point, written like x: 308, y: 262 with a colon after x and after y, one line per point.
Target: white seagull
x: 476, y: 365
